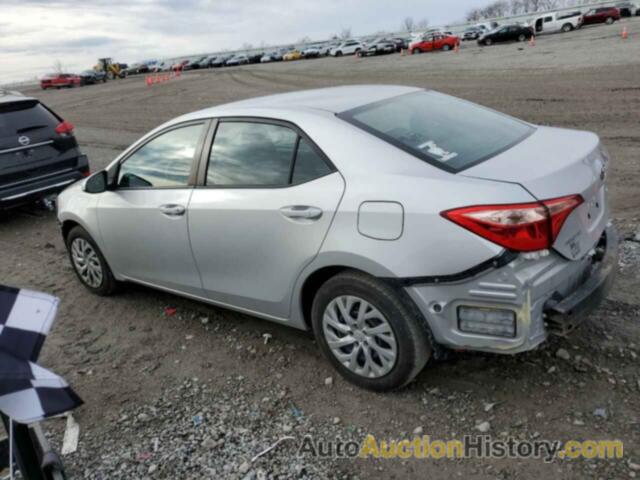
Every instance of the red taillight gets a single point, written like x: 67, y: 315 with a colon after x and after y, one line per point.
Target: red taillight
x: 65, y: 128
x: 86, y: 173
x: 522, y: 227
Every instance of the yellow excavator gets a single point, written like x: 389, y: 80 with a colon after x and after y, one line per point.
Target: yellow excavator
x: 112, y: 69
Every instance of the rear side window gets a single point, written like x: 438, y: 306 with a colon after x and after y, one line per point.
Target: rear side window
x: 254, y: 154
x: 447, y: 132
x: 309, y: 164
x: 20, y: 117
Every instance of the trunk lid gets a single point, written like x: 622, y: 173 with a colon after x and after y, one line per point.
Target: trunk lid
x: 554, y: 163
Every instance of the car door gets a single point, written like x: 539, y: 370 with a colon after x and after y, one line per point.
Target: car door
x: 143, y: 217
x: 264, y: 203
x: 437, y: 42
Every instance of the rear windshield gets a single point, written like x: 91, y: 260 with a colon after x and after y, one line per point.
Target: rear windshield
x: 447, y: 132
x: 19, y: 117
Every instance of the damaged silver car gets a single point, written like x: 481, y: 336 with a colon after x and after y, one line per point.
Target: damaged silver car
x: 392, y: 221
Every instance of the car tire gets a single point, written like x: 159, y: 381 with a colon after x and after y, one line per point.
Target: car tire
x: 402, y: 348
x: 609, y: 20
x: 338, y: 53
x: 87, y: 261
x: 446, y: 48
x: 567, y: 27
x: 488, y: 42
x: 522, y: 37
x: 416, y: 51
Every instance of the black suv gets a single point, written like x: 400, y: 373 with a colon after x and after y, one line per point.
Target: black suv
x: 39, y: 155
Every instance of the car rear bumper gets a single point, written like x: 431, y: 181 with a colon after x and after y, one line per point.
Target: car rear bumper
x: 547, y: 295
x: 36, y: 188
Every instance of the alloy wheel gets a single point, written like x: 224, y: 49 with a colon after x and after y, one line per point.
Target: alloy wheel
x: 86, y: 262
x: 359, y: 336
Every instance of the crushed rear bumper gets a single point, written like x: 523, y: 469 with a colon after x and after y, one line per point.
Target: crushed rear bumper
x: 548, y: 295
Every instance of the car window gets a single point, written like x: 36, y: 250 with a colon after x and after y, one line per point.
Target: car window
x: 309, y: 164
x: 165, y: 161
x: 251, y: 154
x: 447, y: 132
x: 548, y: 19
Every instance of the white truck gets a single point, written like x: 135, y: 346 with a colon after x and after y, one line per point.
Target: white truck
x: 557, y: 22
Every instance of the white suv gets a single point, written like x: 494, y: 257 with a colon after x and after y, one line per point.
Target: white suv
x: 348, y: 47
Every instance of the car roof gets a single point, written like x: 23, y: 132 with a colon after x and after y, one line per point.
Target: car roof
x: 333, y: 99
x: 8, y: 96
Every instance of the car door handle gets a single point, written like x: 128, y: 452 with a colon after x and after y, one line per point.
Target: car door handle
x: 301, y: 212
x: 172, y: 210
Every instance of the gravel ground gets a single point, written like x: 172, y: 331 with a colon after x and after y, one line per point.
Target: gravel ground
x: 147, y: 416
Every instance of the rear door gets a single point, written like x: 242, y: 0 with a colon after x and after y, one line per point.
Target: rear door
x: 265, y: 201
x: 143, y: 220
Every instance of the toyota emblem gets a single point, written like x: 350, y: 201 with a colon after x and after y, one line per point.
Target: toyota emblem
x: 24, y: 140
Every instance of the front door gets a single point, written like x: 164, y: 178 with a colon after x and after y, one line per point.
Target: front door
x: 143, y: 220
x: 266, y: 203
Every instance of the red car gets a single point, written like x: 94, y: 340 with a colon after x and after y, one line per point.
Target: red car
x: 606, y: 15
x: 435, y: 41
x: 68, y: 80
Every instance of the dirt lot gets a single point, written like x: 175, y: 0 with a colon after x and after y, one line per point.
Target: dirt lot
x: 136, y: 368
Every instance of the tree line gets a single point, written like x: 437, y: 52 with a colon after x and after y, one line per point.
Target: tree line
x: 502, y: 8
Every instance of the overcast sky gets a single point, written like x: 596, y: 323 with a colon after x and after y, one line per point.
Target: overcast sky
x: 36, y: 33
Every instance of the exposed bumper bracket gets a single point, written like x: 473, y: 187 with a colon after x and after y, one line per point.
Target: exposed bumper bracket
x: 564, y: 316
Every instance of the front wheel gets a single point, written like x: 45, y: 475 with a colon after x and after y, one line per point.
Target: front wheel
x: 567, y: 27
x: 338, y: 53
x: 373, y: 336
x: 522, y: 37
x: 89, y: 263
x: 488, y: 42
x: 609, y: 20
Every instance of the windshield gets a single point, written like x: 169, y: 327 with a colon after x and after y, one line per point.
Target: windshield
x: 447, y: 132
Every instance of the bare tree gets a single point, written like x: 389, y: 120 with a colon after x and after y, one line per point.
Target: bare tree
x: 304, y: 40
x: 473, y: 15
x: 58, y: 67
x: 408, y: 24
x: 422, y: 24
x: 345, y: 33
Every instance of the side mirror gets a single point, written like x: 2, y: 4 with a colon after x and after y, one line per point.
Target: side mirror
x: 96, y: 183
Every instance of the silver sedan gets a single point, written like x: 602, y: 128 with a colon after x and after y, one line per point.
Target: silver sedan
x: 394, y: 222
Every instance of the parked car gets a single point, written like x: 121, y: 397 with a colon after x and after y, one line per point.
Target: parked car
x: 472, y: 33
x: 193, y: 64
x: 255, y: 57
x: 236, y: 60
x: 400, y: 43
x: 348, y: 47
x: 433, y: 42
x: 606, y: 15
x: 39, y: 155
x: 137, y: 68
x: 220, y: 61
x: 207, y: 61
x: 60, y: 80
x: 312, y: 51
x: 330, y: 46
x: 408, y: 240
x: 91, y: 77
x: 293, y: 55
x: 557, y: 22
x: 179, y: 65
x: 506, y: 33
x: 628, y: 9
x: 379, y: 46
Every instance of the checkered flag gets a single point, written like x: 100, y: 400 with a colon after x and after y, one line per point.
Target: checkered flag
x: 28, y: 392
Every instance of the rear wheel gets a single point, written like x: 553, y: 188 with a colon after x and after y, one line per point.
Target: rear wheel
x: 567, y: 27
x: 446, y: 48
x: 488, y: 42
x: 89, y: 263
x: 522, y: 37
x: 609, y: 20
x: 373, y: 336
x: 338, y: 53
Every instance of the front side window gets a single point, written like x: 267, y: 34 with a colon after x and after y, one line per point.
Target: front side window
x: 164, y: 162
x: 447, y: 132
